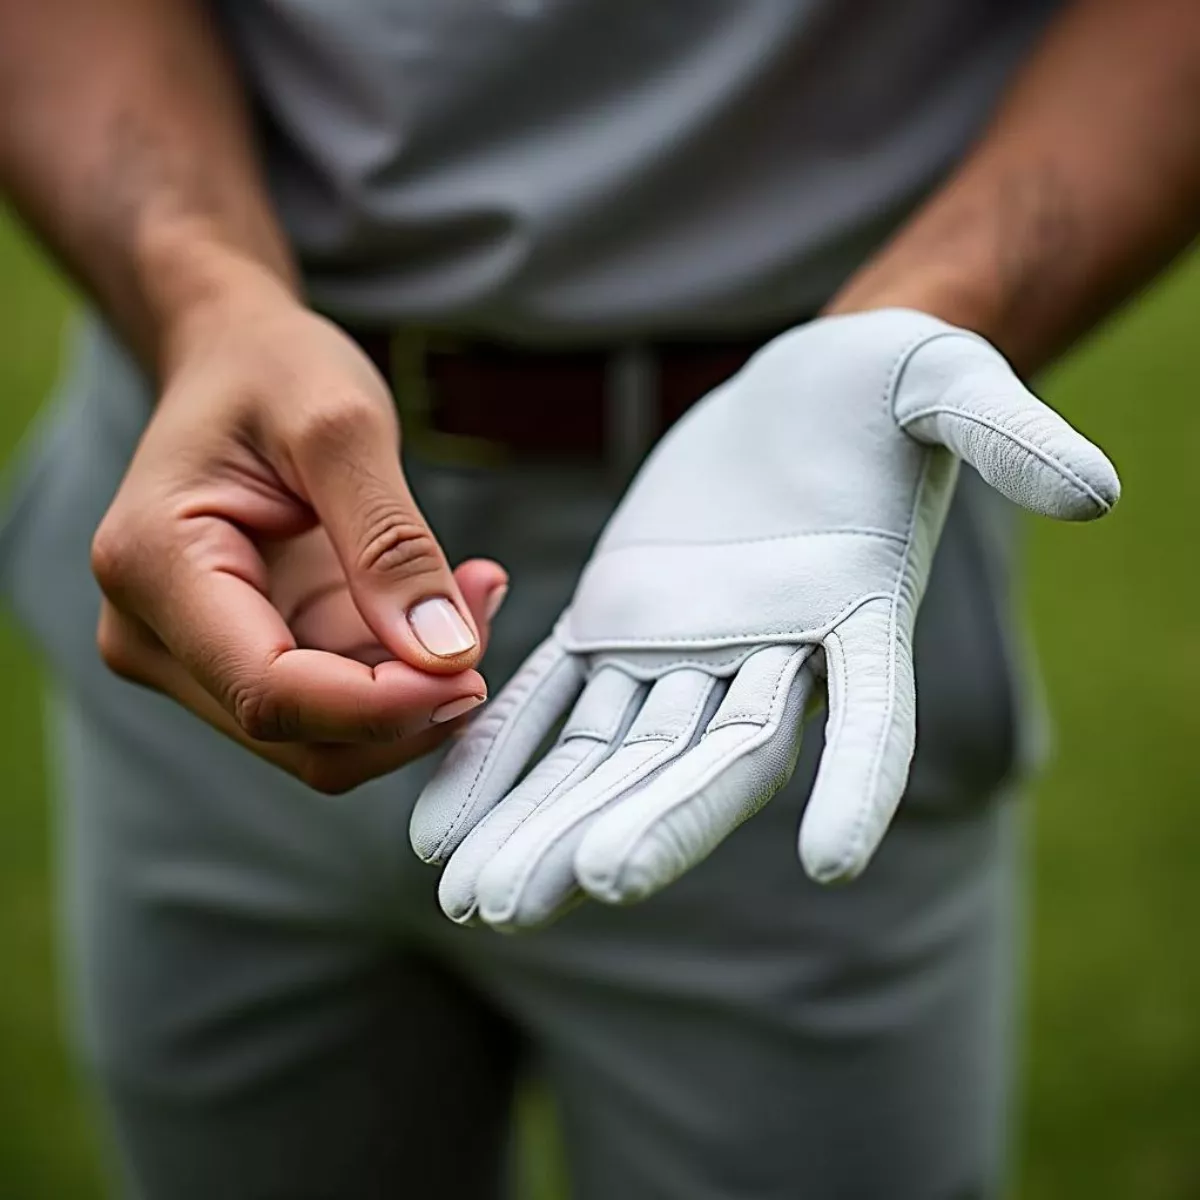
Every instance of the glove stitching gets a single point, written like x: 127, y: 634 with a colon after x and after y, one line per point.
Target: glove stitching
x: 747, y: 717
x: 657, y: 735
x: 753, y: 716
x: 709, y: 664
x: 610, y: 793
x: 815, y: 634
x: 839, y: 531
x: 616, y: 719
x: 551, y: 839
x: 867, y: 806
x: 498, y: 741
x: 752, y: 738
x: 755, y: 737
x: 904, y: 357
x: 835, y: 683
x: 585, y: 761
x: 1063, y: 469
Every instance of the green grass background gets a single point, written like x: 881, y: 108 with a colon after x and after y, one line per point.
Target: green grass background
x: 1111, y: 1075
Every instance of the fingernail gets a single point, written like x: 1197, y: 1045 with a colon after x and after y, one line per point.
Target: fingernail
x: 439, y: 628
x: 495, y: 600
x: 455, y: 708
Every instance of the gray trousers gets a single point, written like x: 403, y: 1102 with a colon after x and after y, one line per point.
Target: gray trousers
x: 274, y: 1009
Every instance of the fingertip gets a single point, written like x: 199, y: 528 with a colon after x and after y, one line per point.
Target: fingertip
x: 444, y: 635
x: 829, y: 863
x: 455, y: 902
x: 436, y: 689
x: 638, y: 881
x: 1080, y: 486
x: 484, y: 586
x: 479, y: 583
x: 479, y: 576
x: 1103, y: 484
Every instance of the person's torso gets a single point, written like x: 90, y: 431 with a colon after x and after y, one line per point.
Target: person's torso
x: 583, y: 169
x: 586, y: 169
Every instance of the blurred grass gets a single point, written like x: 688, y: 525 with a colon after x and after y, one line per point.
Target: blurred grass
x: 47, y: 1149
x: 1112, y: 1073
x: 1114, y: 1057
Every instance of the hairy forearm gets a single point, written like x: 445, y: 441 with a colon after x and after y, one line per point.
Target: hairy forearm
x: 125, y: 144
x: 1085, y: 185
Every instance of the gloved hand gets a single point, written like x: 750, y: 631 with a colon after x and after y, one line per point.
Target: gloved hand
x: 782, y: 532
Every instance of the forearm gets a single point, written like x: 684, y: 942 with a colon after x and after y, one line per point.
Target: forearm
x: 125, y: 144
x: 1086, y: 184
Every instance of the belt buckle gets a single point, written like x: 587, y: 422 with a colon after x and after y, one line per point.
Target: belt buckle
x: 408, y: 354
x: 632, y: 386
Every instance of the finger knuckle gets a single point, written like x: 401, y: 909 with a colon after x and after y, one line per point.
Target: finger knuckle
x: 110, y: 556
x: 262, y: 714
x: 396, y: 543
x: 379, y: 730
x: 334, y: 428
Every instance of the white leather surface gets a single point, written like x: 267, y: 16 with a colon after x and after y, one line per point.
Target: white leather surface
x: 783, y: 530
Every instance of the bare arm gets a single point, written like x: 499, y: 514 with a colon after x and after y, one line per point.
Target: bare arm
x: 125, y: 143
x: 1086, y: 184
x: 263, y: 561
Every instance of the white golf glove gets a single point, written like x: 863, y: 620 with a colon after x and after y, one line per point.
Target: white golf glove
x: 782, y: 532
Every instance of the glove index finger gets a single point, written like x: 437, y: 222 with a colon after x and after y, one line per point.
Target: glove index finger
x: 488, y: 759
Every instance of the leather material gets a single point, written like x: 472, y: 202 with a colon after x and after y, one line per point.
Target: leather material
x: 781, y: 534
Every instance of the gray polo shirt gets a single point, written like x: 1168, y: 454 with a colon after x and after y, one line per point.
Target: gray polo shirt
x: 588, y: 168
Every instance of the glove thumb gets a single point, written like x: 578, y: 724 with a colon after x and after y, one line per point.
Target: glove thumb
x: 957, y: 391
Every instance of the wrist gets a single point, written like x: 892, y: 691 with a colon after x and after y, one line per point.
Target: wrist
x: 194, y: 277
x: 949, y: 295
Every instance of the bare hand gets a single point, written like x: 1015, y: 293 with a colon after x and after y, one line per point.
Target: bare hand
x: 265, y: 564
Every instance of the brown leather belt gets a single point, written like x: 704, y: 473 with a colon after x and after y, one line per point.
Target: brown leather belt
x: 482, y: 403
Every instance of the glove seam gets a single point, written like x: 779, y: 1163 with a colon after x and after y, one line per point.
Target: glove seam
x: 893, y: 609
x: 1067, y: 473
x: 584, y: 765
x: 614, y: 789
x: 813, y: 635
x: 854, y: 840
x: 891, y: 392
x: 747, y: 717
x: 756, y: 735
x: 500, y: 739
x: 892, y: 388
x: 709, y: 665
x: 617, y: 722
x: 835, y: 674
x: 837, y: 531
x: 750, y: 740
x: 537, y: 853
x: 653, y: 736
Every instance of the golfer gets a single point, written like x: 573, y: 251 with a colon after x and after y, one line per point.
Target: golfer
x: 701, y: 330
